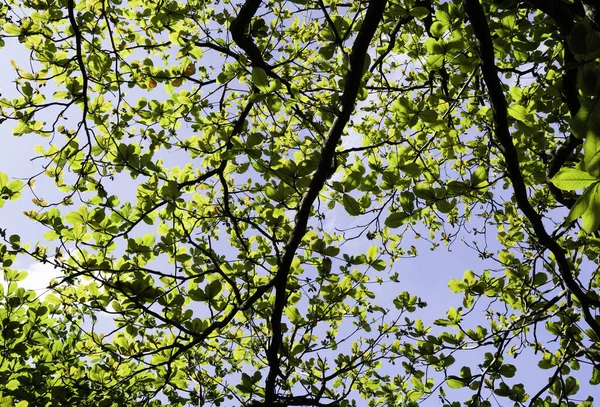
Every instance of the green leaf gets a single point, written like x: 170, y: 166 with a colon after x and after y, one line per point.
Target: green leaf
x: 595, y: 379
x: 458, y: 187
x: 518, y: 112
x: 293, y: 314
x: 257, y: 97
x: 213, y: 289
x: 457, y: 286
x: 412, y: 169
x: 591, y: 217
x: 570, y: 179
x: 435, y: 47
x: 254, y: 139
x: 414, y: 395
x: 503, y: 390
x: 74, y: 218
x: 548, y: 361
x: 197, y: 294
x: 435, y: 61
x: 224, y: 77
x: 591, y: 148
x: 419, y: 12
x: 587, y: 119
x: 396, y: 219
x: 3, y: 180
x: 378, y: 265
x: 455, y: 382
x: 298, y: 348
x: 581, y: 205
x: 372, y: 253
x: 260, y: 79
x: 327, y: 50
x: 437, y: 29
x: 11, y: 29
x: 508, y: 370
x: 12, y: 385
x: 571, y: 386
x: 479, y: 177
x: 351, y: 205
x: 424, y: 191
x: 246, y: 386
x: 274, y: 103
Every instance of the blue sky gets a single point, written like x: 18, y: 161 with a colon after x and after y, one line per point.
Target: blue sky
x: 426, y: 275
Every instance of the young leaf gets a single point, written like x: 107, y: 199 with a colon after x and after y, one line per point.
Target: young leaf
x: 479, y: 177
x: 587, y: 118
x: 591, y: 149
x: 351, y: 205
x: 518, y: 112
x: 260, y: 79
x: 591, y: 217
x: 396, y: 219
x: 419, y: 12
x: 455, y: 382
x: 571, y: 179
x: 581, y: 205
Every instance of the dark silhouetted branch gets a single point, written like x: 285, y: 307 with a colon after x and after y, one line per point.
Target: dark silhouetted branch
x: 502, y: 134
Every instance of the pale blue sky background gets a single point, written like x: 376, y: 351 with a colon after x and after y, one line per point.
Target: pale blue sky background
x: 426, y: 276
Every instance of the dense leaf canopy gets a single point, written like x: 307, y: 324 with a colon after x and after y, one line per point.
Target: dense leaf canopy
x: 229, y: 190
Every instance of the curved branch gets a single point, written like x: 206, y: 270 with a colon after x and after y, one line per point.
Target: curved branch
x: 563, y: 16
x: 481, y: 30
x: 238, y: 29
x: 354, y: 76
x: 79, y: 55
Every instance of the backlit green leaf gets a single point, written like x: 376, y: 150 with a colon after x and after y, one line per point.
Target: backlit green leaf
x: 351, y: 205
x: 396, y: 219
x: 260, y: 79
x: 572, y: 179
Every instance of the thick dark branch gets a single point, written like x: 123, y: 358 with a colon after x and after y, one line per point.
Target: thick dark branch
x: 79, y: 55
x: 238, y: 29
x: 563, y: 15
x: 84, y: 81
x: 502, y: 134
x: 561, y: 12
x: 428, y: 20
x: 339, y: 41
x: 570, y: 94
x: 353, y: 81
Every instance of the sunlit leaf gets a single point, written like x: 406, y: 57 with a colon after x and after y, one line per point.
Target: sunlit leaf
x: 396, y: 219
x: 260, y: 79
x: 573, y: 179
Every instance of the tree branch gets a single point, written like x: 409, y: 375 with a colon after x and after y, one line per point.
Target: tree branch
x: 563, y: 15
x: 502, y: 134
x: 354, y: 76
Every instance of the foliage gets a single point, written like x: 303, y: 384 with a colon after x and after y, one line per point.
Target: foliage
x: 229, y: 187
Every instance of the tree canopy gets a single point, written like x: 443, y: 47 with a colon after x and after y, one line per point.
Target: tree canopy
x: 231, y: 191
